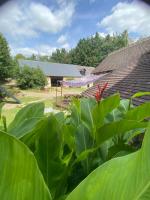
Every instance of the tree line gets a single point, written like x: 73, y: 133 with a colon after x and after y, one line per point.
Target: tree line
x: 88, y: 51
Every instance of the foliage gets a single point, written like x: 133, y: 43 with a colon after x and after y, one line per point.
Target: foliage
x: 20, y: 175
x: 91, y: 51
x: 88, y: 51
x: 123, y: 178
x: 60, y: 56
x: 14, y: 69
x: 20, y: 56
x: 69, y: 147
x: 5, y: 59
x: 31, y: 78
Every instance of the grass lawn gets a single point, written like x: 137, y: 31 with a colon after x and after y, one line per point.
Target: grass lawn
x: 9, y: 111
x: 35, y: 95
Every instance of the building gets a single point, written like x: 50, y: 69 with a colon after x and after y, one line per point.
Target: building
x: 127, y: 71
x: 56, y: 72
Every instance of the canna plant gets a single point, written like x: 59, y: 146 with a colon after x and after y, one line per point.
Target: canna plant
x: 126, y: 177
x: 100, y: 91
x: 56, y: 152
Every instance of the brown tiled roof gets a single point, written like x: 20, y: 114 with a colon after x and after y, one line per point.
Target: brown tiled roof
x: 124, y: 57
x: 132, y: 76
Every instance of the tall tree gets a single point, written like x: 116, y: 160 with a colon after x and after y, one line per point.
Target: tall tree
x: 60, y: 56
x: 5, y: 59
x: 20, y: 56
x: 91, y: 51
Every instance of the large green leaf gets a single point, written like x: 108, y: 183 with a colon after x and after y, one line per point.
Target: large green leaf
x: 68, y: 132
x: 87, y: 106
x: 122, y: 178
x: 75, y: 109
x: 115, y: 128
x: 83, y: 142
x: 26, y: 119
x: 48, y: 153
x: 81, y: 112
x: 2, y: 118
x: 21, y: 178
x: 139, y: 113
x: 140, y: 94
x: 119, y: 112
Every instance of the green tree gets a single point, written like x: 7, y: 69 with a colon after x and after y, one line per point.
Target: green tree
x: 5, y: 59
x: 32, y: 57
x: 92, y: 50
x: 31, y: 78
x: 60, y: 56
x: 44, y: 58
x: 20, y: 56
x: 15, y: 69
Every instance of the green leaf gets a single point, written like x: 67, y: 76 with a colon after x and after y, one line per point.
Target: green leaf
x: 83, y: 139
x: 48, y: 152
x: 81, y: 112
x: 140, y: 94
x: 122, y: 178
x: 83, y: 142
x: 139, y: 113
x: 1, y: 106
x: 75, y: 112
x: 87, y: 106
x: 84, y: 154
x: 104, y: 108
x: 19, y: 172
x: 26, y: 119
x: 119, y: 112
x: 68, y: 132
x: 115, y: 128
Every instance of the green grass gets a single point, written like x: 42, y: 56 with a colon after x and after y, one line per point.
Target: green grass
x: 10, y: 113
x: 28, y: 99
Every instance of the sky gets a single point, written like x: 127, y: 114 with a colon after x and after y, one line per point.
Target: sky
x: 42, y: 26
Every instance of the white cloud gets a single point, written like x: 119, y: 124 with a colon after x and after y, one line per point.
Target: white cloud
x: 62, y: 39
x: 66, y: 46
x: 46, y: 20
x: 132, y: 16
x: 14, y: 22
x: 29, y: 20
x: 27, y: 51
x: 102, y: 34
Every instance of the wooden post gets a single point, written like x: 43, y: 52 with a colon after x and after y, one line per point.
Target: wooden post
x: 61, y: 96
x: 56, y: 94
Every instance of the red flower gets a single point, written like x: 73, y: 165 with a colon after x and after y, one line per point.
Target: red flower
x: 100, y: 91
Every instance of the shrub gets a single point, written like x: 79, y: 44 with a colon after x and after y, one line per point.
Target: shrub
x: 31, y: 78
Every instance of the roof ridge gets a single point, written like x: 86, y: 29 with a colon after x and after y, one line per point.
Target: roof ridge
x: 130, y: 45
x: 55, y: 63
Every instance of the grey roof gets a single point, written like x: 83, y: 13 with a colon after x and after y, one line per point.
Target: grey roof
x: 53, y: 69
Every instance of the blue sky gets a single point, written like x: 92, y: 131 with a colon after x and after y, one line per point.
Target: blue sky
x: 41, y: 26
